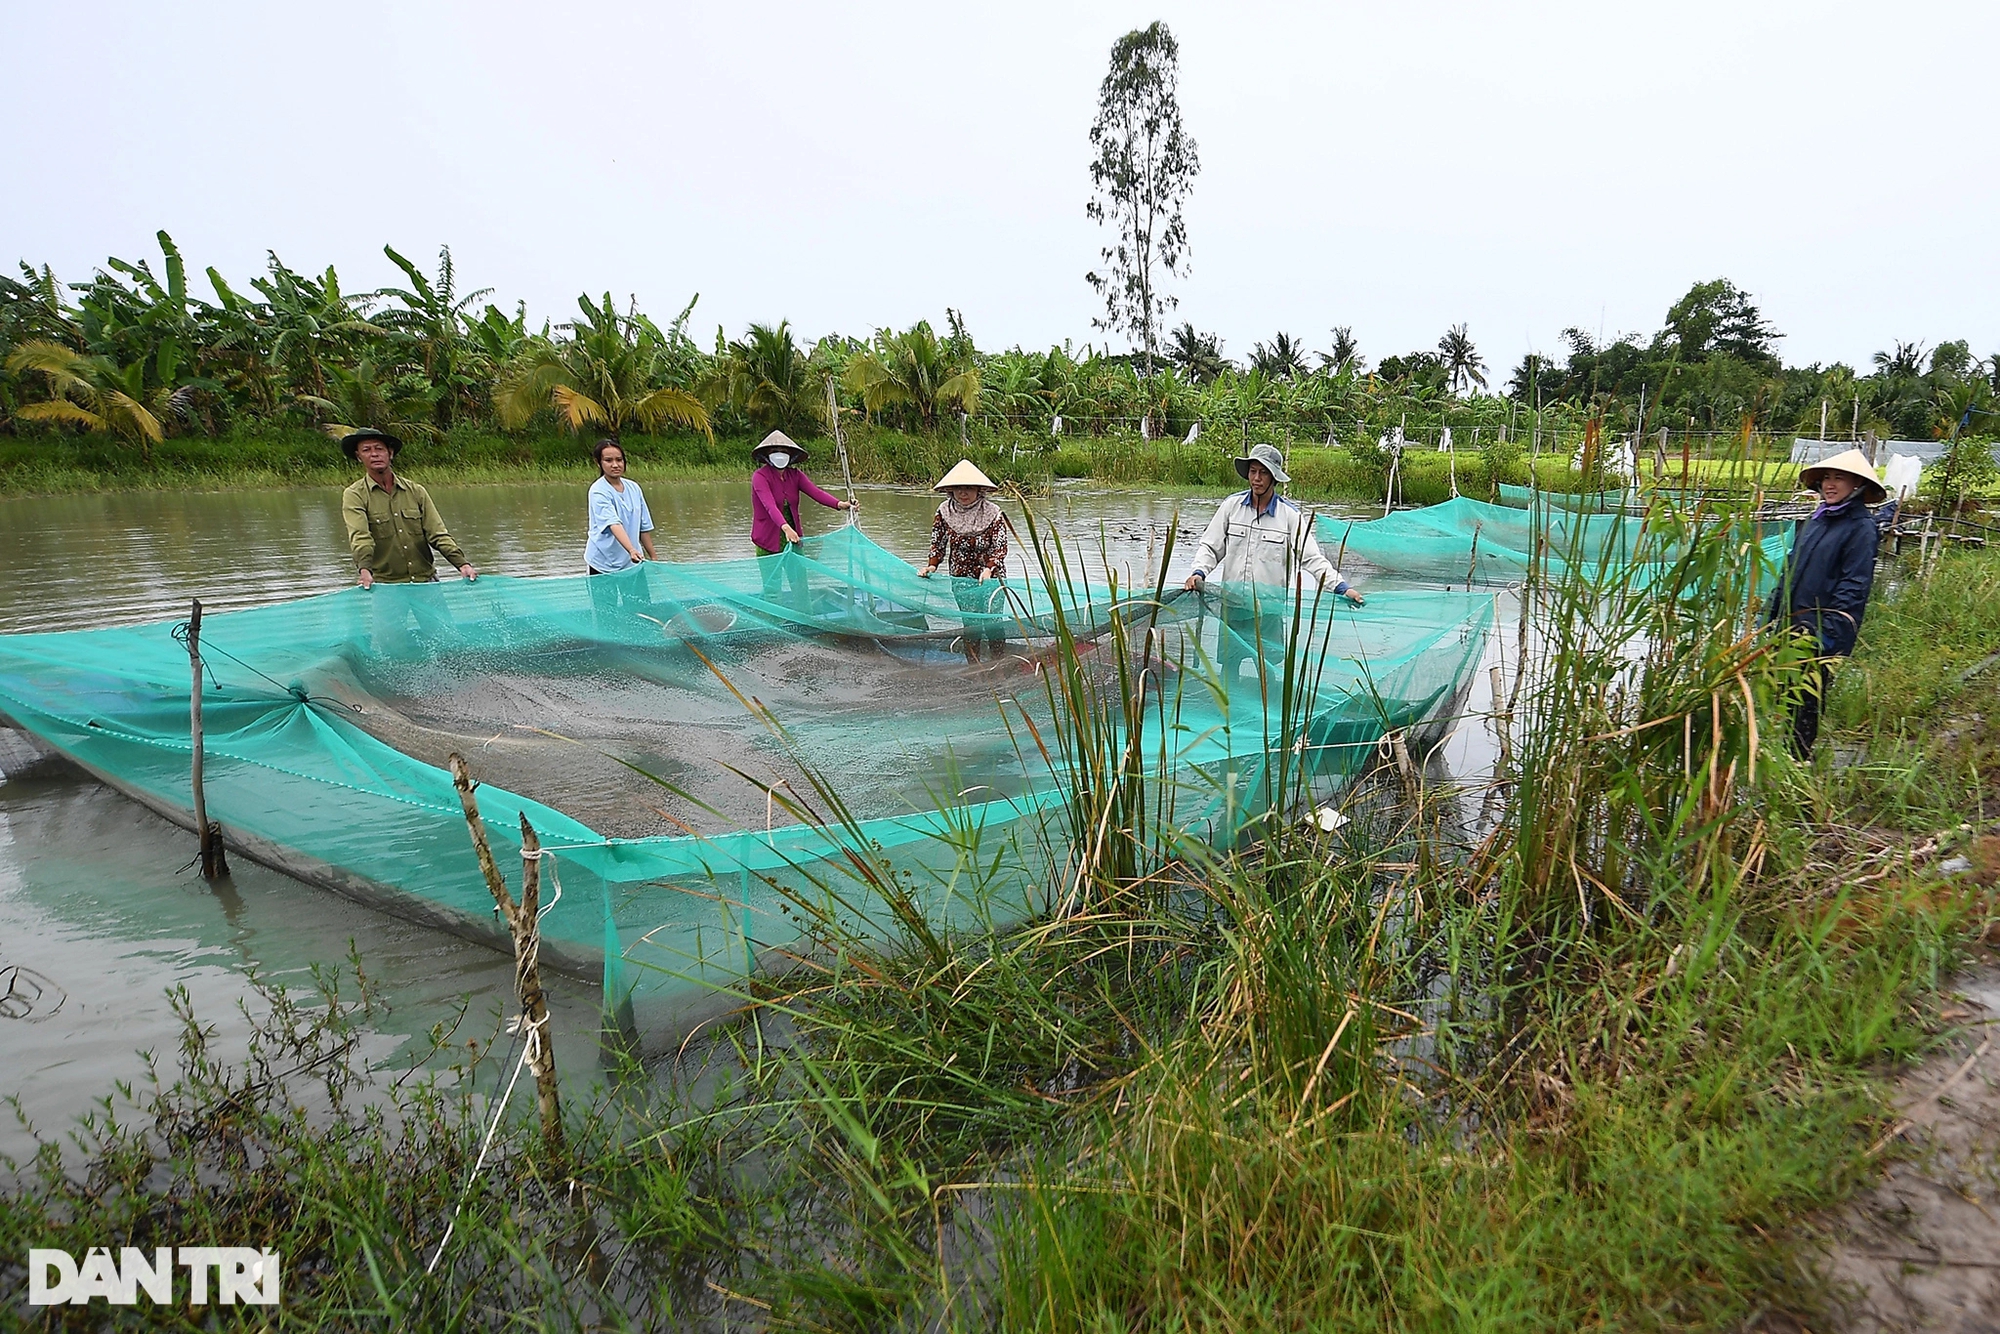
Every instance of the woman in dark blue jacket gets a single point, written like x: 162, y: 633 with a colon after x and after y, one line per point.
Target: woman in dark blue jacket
x: 1823, y: 590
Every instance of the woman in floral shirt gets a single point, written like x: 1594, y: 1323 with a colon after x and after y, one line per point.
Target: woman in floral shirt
x: 969, y: 539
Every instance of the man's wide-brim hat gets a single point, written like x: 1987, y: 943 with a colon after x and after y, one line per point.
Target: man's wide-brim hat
x: 1856, y: 465
x: 778, y: 440
x: 1267, y: 455
x: 965, y: 473
x: 351, y: 443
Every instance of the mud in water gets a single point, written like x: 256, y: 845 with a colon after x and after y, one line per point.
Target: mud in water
x: 634, y: 749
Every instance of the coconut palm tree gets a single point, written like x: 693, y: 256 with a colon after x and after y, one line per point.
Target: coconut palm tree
x: 1461, y: 360
x: 357, y: 396
x: 603, y: 375
x: 1283, y: 359
x: 31, y: 309
x: 1197, y: 355
x: 87, y: 391
x: 917, y: 370
x: 767, y: 378
x: 1906, y: 362
x: 1345, y: 352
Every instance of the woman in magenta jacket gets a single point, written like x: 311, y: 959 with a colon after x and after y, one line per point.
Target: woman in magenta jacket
x: 774, y: 508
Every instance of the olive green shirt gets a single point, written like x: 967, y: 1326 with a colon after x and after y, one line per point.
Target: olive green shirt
x: 392, y: 535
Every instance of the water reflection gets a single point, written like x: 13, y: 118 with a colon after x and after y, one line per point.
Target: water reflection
x: 77, y: 561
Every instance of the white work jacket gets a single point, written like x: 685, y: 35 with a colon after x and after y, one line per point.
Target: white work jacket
x: 1246, y: 546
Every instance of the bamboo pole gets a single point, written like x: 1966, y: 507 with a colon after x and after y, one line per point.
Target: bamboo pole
x: 840, y: 446
x: 208, y: 837
x: 524, y: 926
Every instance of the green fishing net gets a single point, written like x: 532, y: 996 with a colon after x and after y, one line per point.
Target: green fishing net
x: 1467, y: 542
x: 701, y: 746
x: 1583, y: 502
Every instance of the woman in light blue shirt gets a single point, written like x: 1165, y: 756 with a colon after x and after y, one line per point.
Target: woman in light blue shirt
x: 620, y: 523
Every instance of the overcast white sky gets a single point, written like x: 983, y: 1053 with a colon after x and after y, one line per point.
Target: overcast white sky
x: 1396, y: 167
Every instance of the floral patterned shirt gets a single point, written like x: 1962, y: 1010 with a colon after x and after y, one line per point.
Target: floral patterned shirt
x: 965, y: 557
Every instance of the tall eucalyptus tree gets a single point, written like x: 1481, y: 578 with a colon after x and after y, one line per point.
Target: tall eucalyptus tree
x: 1142, y: 175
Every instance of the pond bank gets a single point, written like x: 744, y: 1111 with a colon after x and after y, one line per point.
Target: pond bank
x: 66, y: 465
x: 1917, y: 1248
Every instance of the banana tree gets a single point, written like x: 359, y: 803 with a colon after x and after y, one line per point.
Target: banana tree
x: 433, y: 318
x: 153, y: 330
x: 238, y: 351
x: 1166, y: 403
x: 311, y: 324
x: 1012, y: 386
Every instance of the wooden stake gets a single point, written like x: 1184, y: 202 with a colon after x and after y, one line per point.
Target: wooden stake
x: 1501, y: 719
x: 525, y: 929
x: 208, y: 837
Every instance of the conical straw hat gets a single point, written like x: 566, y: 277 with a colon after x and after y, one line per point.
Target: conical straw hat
x: 1856, y: 465
x: 965, y: 473
x: 778, y: 440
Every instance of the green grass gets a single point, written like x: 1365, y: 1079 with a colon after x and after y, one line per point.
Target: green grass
x: 1590, y: 1070
x: 45, y: 466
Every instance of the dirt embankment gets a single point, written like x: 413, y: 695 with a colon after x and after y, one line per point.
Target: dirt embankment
x: 1920, y: 1249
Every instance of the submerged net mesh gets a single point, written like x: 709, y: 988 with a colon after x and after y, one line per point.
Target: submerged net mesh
x: 623, y: 715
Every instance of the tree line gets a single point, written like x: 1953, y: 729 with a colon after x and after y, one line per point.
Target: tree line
x: 138, y: 352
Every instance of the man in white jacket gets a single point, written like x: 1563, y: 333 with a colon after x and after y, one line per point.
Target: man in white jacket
x: 1259, y: 537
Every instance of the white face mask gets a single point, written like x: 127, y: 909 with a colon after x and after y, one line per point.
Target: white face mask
x: 778, y: 458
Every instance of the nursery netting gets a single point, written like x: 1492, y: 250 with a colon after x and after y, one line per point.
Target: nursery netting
x: 1583, y: 502
x: 1471, y: 542
x: 673, y: 733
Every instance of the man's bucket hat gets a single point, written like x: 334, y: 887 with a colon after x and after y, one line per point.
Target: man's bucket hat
x: 351, y: 442
x: 1267, y: 455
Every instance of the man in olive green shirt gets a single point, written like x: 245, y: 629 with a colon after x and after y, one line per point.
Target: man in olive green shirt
x: 392, y: 524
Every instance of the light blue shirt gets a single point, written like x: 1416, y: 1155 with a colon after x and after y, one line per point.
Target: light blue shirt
x: 609, y: 506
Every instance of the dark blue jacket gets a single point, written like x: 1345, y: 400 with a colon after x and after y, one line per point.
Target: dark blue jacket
x: 1825, y: 584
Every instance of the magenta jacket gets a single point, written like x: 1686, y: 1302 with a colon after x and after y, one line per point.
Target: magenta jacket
x: 774, y: 502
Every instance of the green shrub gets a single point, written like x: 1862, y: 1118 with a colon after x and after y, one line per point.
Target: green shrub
x: 1071, y: 462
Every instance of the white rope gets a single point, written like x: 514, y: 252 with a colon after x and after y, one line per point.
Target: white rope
x: 529, y: 1051
x: 554, y: 876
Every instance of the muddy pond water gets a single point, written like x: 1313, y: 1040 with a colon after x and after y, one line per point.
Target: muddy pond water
x: 100, y: 914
